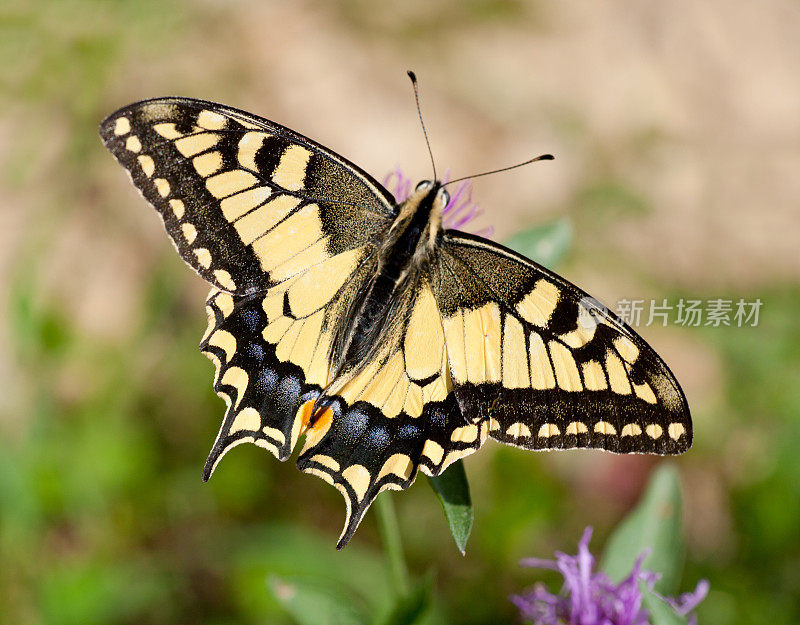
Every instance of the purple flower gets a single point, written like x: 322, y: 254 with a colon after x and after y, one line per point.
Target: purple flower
x: 460, y: 210
x: 589, y: 597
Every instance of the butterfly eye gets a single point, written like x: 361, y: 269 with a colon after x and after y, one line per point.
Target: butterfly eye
x: 444, y: 196
x: 424, y: 184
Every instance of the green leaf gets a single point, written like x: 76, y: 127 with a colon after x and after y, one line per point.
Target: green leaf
x: 661, y: 613
x: 546, y: 244
x: 412, y: 607
x: 452, y: 488
x: 654, y: 524
x: 315, y: 603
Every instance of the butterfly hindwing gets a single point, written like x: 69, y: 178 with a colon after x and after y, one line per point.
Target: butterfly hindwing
x: 246, y: 201
x: 361, y: 451
x: 545, y: 364
x: 264, y: 395
x: 272, y: 349
x: 393, y: 416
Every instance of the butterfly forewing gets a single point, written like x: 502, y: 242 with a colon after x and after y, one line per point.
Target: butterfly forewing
x: 246, y: 201
x: 545, y: 364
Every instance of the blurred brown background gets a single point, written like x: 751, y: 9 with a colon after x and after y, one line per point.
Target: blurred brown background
x: 676, y: 130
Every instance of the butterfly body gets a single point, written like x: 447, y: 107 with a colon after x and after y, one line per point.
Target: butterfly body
x: 392, y: 344
x: 404, y: 256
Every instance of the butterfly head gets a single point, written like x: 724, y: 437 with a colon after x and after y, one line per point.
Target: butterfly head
x: 433, y: 189
x: 419, y: 216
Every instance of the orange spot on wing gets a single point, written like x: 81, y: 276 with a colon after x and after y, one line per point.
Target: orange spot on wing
x: 322, y: 422
x: 305, y: 414
x: 320, y: 427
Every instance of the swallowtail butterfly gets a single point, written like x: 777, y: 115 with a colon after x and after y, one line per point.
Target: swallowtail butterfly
x: 391, y: 344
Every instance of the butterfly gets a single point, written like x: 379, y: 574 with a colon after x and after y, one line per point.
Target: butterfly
x: 391, y: 344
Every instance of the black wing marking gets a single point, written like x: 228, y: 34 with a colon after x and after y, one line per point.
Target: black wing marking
x: 545, y: 364
x: 246, y: 201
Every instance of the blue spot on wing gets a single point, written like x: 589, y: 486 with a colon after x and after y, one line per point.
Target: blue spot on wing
x: 251, y: 320
x: 377, y: 438
x: 352, y: 424
x: 408, y: 430
x: 255, y: 351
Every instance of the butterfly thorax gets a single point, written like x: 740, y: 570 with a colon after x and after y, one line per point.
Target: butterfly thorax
x: 413, y: 235
x: 406, y: 251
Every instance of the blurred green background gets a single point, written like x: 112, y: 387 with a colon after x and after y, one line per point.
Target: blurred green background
x: 676, y: 128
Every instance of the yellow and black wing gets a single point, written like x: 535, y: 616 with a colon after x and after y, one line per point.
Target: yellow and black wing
x: 286, y: 232
x: 247, y: 202
x: 546, y: 366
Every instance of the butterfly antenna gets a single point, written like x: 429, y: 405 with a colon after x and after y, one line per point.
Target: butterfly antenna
x: 413, y: 78
x: 542, y: 157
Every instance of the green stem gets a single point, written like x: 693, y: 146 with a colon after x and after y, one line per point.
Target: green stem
x: 390, y: 534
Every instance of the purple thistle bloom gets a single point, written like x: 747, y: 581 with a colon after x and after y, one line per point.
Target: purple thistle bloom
x: 460, y: 210
x: 589, y: 597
